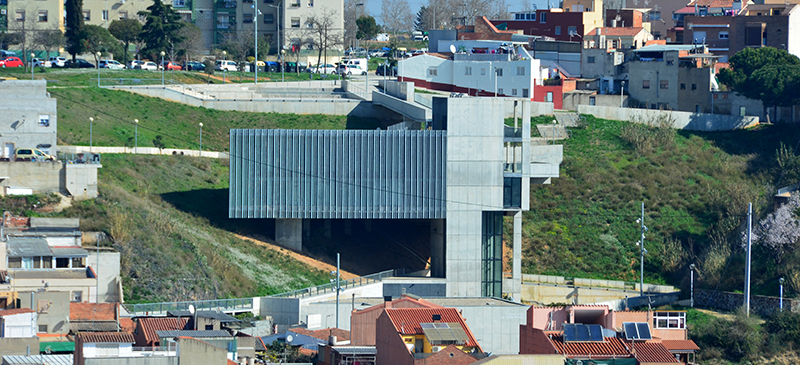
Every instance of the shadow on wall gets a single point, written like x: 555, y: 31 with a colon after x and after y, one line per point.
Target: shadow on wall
x: 212, y: 204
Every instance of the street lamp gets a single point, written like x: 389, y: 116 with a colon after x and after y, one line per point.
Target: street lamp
x: 163, y: 66
x: 691, y: 286
x: 224, y: 66
x: 621, y: 91
x: 338, y: 288
x: 200, y: 151
x: 640, y: 243
x: 255, y: 42
x: 283, y: 64
x: 136, y: 136
x: 98, y: 68
x: 32, y: 56
x: 280, y: 39
x: 780, y: 281
x: 91, y: 120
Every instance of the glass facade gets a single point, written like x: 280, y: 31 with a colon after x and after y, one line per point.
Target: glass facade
x: 492, y: 255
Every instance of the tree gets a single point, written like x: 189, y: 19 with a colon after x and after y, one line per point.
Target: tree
x: 780, y: 230
x: 422, y: 22
x: 160, y: 31
x: 127, y: 31
x: 192, y: 43
x: 367, y: 28
x: 9, y: 39
x: 49, y: 39
x: 353, y: 9
x: 768, y: 74
x: 322, y: 34
x: 99, y: 39
x: 27, y: 29
x: 396, y: 15
x: 74, y: 25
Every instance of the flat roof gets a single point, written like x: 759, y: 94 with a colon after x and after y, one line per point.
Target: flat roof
x: 668, y: 47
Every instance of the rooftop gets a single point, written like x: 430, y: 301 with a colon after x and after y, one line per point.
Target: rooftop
x: 668, y: 47
x: 217, y: 315
x: 150, y: 325
x: 38, y: 359
x: 355, y: 350
x: 93, y: 311
x: 612, y: 346
x: 678, y: 345
x: 116, y: 337
x: 407, y: 321
x: 11, y: 312
x: 323, y: 334
x: 193, y: 334
x: 653, y: 352
x: 618, y: 31
x: 712, y: 3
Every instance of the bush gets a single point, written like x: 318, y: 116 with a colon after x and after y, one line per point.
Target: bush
x: 736, y: 340
x: 785, y: 327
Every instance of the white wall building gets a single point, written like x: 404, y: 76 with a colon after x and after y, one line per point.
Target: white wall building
x: 17, y: 323
x: 512, y: 75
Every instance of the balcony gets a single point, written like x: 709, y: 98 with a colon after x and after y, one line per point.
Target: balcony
x: 226, y: 4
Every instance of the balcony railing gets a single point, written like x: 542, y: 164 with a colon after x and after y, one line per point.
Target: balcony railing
x: 226, y: 4
x: 223, y: 25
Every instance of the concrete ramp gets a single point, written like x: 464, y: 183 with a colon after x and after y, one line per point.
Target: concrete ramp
x: 408, y: 109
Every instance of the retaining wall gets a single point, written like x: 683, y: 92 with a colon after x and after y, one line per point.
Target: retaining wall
x: 141, y: 151
x: 682, y: 120
x: 761, y: 305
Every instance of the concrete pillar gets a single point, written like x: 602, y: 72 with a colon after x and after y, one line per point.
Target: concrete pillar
x: 327, y: 228
x: 437, y: 248
x: 289, y: 233
x: 516, y: 261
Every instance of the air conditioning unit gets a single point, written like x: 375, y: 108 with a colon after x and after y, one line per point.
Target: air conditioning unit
x: 3, y: 11
x: 436, y: 349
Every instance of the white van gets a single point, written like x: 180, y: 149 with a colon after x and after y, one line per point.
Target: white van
x: 353, y: 66
x: 226, y: 65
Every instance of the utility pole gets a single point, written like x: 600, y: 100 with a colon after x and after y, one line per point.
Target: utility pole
x: 643, y: 228
x: 337, y: 290
x: 747, y: 263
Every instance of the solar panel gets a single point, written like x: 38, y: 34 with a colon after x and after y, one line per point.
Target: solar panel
x: 426, y: 325
x: 595, y: 332
x: 644, y: 331
x: 569, y: 333
x: 631, y: 333
x: 583, y: 333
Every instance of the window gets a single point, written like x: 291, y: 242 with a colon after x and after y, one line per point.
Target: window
x: 178, y: 3
x: 76, y: 296
x: 615, y: 44
x: 512, y: 192
x: 42, y: 328
x: 433, y: 71
x: 247, y: 18
x: 645, y: 84
x: 123, y: 15
x: 14, y: 263
x: 296, y: 3
x: 723, y: 34
x: 558, y: 30
x: 669, y: 320
x: 77, y: 262
x: 655, y: 15
x: 483, y: 71
x: 44, y: 120
x: 492, y: 252
x: 20, y: 16
x: 105, y: 15
x: 590, y: 59
x: 683, y: 86
x: 62, y: 262
x: 520, y: 70
x: 223, y: 21
x: 542, y: 17
x: 295, y: 22
x: 500, y: 91
x: 42, y: 16
x: 549, y: 97
x: 209, y: 327
x: 47, y: 262
x: 269, y: 18
x: 87, y: 15
x: 525, y: 93
x: 467, y: 71
x: 310, y: 3
x: 670, y: 61
x: 513, y: 92
x: 498, y: 71
x: 309, y: 24
x: 694, y: 86
x: 664, y: 84
x: 592, y: 100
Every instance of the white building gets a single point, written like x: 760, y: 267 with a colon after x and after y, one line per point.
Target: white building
x: 17, y: 323
x: 504, y: 74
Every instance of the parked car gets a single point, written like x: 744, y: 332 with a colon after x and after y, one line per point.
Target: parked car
x: 384, y: 70
x: 111, y: 64
x: 356, y: 52
x: 326, y: 68
x: 146, y: 65
x: 4, y: 54
x: 78, y: 63
x: 32, y: 154
x: 376, y: 53
x: 226, y: 65
x: 57, y: 61
x: 38, y: 62
x: 11, y: 62
x: 349, y: 70
x: 194, y: 66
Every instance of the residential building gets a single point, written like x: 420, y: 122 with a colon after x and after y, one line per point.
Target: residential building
x: 331, y: 355
x: 18, y: 323
x: 51, y: 307
x: 631, y: 18
x: 29, y: 17
x: 363, y: 322
x: 557, y: 24
x: 463, y: 203
x: 205, y: 320
x: 146, y: 327
x: 767, y: 25
x: 117, y: 347
x: 408, y: 335
x: 618, y: 38
x: 94, y: 317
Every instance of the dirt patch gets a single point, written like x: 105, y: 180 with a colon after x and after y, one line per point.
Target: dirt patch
x: 297, y: 256
x: 727, y: 316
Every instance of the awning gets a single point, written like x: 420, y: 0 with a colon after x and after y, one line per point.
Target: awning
x: 57, y: 347
x: 28, y: 247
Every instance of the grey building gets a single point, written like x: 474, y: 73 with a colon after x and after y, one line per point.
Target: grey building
x: 30, y: 117
x: 462, y: 176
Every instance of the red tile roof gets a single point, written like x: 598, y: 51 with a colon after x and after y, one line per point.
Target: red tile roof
x: 152, y: 324
x: 712, y: 3
x: 403, y: 302
x: 612, y: 347
x: 127, y: 324
x: 407, y: 320
x: 341, y: 335
x: 11, y: 312
x: 123, y: 337
x: 673, y: 345
x: 653, y: 352
x: 93, y: 311
x: 618, y: 31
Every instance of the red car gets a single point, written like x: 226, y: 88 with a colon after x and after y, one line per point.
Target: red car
x: 171, y: 66
x: 11, y: 62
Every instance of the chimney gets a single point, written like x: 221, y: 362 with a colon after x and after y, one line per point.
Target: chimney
x: 332, y: 340
x: 387, y: 301
x: 437, y: 318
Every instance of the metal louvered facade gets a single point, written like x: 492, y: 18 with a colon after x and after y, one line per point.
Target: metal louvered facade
x: 345, y: 174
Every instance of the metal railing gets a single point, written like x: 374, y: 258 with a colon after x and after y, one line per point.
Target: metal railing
x: 331, y: 288
x: 135, y: 82
x: 225, y: 305
x: 511, y: 132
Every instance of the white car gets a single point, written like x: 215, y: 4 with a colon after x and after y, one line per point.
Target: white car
x: 144, y: 65
x: 57, y: 61
x: 225, y: 65
x: 323, y: 69
x: 111, y: 64
x: 38, y: 62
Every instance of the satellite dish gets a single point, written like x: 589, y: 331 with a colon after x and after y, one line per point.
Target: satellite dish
x: 191, y: 308
x: 452, y: 48
x: 289, y: 339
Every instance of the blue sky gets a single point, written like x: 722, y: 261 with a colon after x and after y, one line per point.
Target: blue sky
x: 374, y: 6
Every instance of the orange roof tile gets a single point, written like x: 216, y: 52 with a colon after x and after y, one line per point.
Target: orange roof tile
x: 618, y: 31
x: 322, y: 334
x: 712, y: 3
x: 152, y: 324
x: 422, y: 303
x: 673, y: 345
x: 307, y: 352
x: 11, y: 312
x: 611, y: 347
x: 124, y: 337
x: 407, y: 320
x: 93, y: 311
x: 127, y: 324
x: 653, y: 352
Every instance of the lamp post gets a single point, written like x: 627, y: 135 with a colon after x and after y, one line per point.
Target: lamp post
x: 255, y: 36
x: 200, y: 151
x: 621, y: 91
x: 33, y: 55
x: 642, y: 251
x: 136, y: 136
x: 224, y: 66
x: 691, y: 286
x: 283, y: 64
x: 163, y: 66
x: 91, y: 120
x: 98, y: 68
x: 337, y: 288
x: 780, y: 281
x: 280, y: 39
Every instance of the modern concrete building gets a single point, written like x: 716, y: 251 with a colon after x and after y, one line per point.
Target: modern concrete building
x: 462, y: 176
x: 31, y: 115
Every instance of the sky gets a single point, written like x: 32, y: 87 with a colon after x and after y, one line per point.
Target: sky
x: 374, y: 6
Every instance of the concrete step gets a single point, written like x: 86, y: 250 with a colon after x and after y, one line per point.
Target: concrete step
x: 568, y: 119
x: 552, y: 131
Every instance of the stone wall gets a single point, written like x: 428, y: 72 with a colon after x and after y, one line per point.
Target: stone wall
x: 682, y: 120
x: 761, y: 305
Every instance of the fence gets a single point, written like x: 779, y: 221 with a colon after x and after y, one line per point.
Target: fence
x: 759, y: 304
x: 135, y: 82
x: 225, y: 305
x: 329, y: 288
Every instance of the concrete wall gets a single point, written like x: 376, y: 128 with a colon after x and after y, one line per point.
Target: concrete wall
x: 142, y: 151
x: 682, y: 120
x: 573, y: 99
x: 759, y: 304
x: 80, y: 181
x: 108, y: 275
x: 284, y: 311
x: 496, y: 328
x: 33, y: 282
x: 191, y: 351
x: 29, y: 114
x: 410, y: 110
x: 52, y: 308
x: 19, y: 346
x: 150, y: 360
